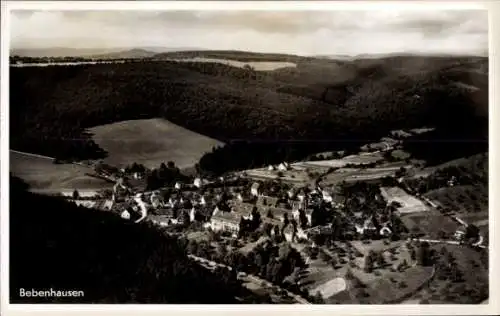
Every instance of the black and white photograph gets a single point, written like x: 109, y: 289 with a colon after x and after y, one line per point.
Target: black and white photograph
x: 211, y: 156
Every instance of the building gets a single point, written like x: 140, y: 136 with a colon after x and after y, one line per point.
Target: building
x: 125, y: 215
x: 161, y: 220
x: 283, y: 166
x: 198, y: 182
x: 225, y: 221
x: 254, y: 190
x: 271, y: 168
x: 289, y: 232
x: 178, y: 185
x: 460, y: 233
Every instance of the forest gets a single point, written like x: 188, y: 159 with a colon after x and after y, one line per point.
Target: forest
x: 263, y: 117
x: 66, y: 247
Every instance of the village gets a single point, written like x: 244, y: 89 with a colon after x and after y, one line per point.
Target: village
x: 347, y: 217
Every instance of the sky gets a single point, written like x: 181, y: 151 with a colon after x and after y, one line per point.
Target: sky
x: 292, y: 32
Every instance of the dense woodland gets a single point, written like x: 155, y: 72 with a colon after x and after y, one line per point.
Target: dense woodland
x: 264, y: 117
x: 66, y: 247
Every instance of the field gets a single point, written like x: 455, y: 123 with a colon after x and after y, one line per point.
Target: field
x: 45, y: 176
x: 432, y: 224
x: 410, y: 204
x: 339, y: 163
x: 472, y: 290
x: 385, y: 284
x: 151, y: 142
x: 256, y: 65
x: 331, y: 287
x: 462, y: 199
x: 294, y: 175
x: 352, y: 175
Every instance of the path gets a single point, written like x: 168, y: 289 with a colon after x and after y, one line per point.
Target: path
x: 43, y: 157
x: 209, y: 264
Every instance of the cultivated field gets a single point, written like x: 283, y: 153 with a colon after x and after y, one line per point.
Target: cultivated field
x: 331, y: 287
x: 256, y: 65
x: 45, y: 176
x: 151, y: 142
x: 294, y: 175
x: 410, y: 204
x: 339, y: 163
x: 353, y: 175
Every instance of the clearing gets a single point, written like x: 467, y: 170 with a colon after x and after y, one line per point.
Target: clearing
x: 151, y: 142
x: 409, y: 203
x: 256, y: 65
x: 432, y: 224
x: 46, y: 177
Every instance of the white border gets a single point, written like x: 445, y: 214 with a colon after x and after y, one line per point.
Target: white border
x: 491, y: 308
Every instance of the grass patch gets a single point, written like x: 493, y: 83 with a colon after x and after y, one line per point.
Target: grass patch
x: 151, y: 142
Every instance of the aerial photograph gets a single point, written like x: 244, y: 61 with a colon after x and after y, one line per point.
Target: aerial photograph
x: 248, y: 157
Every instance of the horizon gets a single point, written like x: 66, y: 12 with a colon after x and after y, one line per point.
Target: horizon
x: 302, y: 33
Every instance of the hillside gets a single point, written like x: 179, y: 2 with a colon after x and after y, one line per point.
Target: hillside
x: 55, y: 244
x: 337, y: 104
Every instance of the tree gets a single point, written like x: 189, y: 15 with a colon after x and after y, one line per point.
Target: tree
x: 318, y: 298
x: 76, y: 195
x: 270, y: 214
x: 380, y: 259
x: 368, y: 268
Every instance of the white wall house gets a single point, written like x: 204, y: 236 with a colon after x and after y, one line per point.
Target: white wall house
x: 254, y: 190
x: 198, y: 182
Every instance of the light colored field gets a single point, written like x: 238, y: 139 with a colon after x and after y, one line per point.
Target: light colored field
x: 151, y: 142
x: 331, y: 287
x: 257, y: 65
x: 352, y: 175
x: 293, y: 175
x: 410, y: 204
x: 46, y: 177
x: 339, y: 163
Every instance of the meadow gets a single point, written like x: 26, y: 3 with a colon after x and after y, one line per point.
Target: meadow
x: 44, y: 176
x: 151, y: 142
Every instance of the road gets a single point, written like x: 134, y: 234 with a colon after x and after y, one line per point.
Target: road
x: 209, y: 264
x: 449, y: 242
x: 43, y: 157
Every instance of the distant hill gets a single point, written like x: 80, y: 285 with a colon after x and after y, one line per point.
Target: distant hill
x: 132, y: 53
x: 113, y: 53
x: 319, y: 105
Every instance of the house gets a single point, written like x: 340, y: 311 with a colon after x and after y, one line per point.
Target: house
x: 178, y: 185
x: 271, y: 168
x: 327, y: 197
x: 283, y: 166
x: 198, y: 182
x: 225, y: 221
x: 239, y: 197
x: 291, y: 193
x: 367, y: 226
x: 203, y: 201
x: 385, y: 230
x: 156, y: 200
x: 289, y: 232
x: 254, y: 190
x: 125, y: 215
x: 460, y: 233
x: 161, y: 220
x: 301, y: 196
x: 192, y: 214
x: 137, y: 175
x: 107, y: 205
